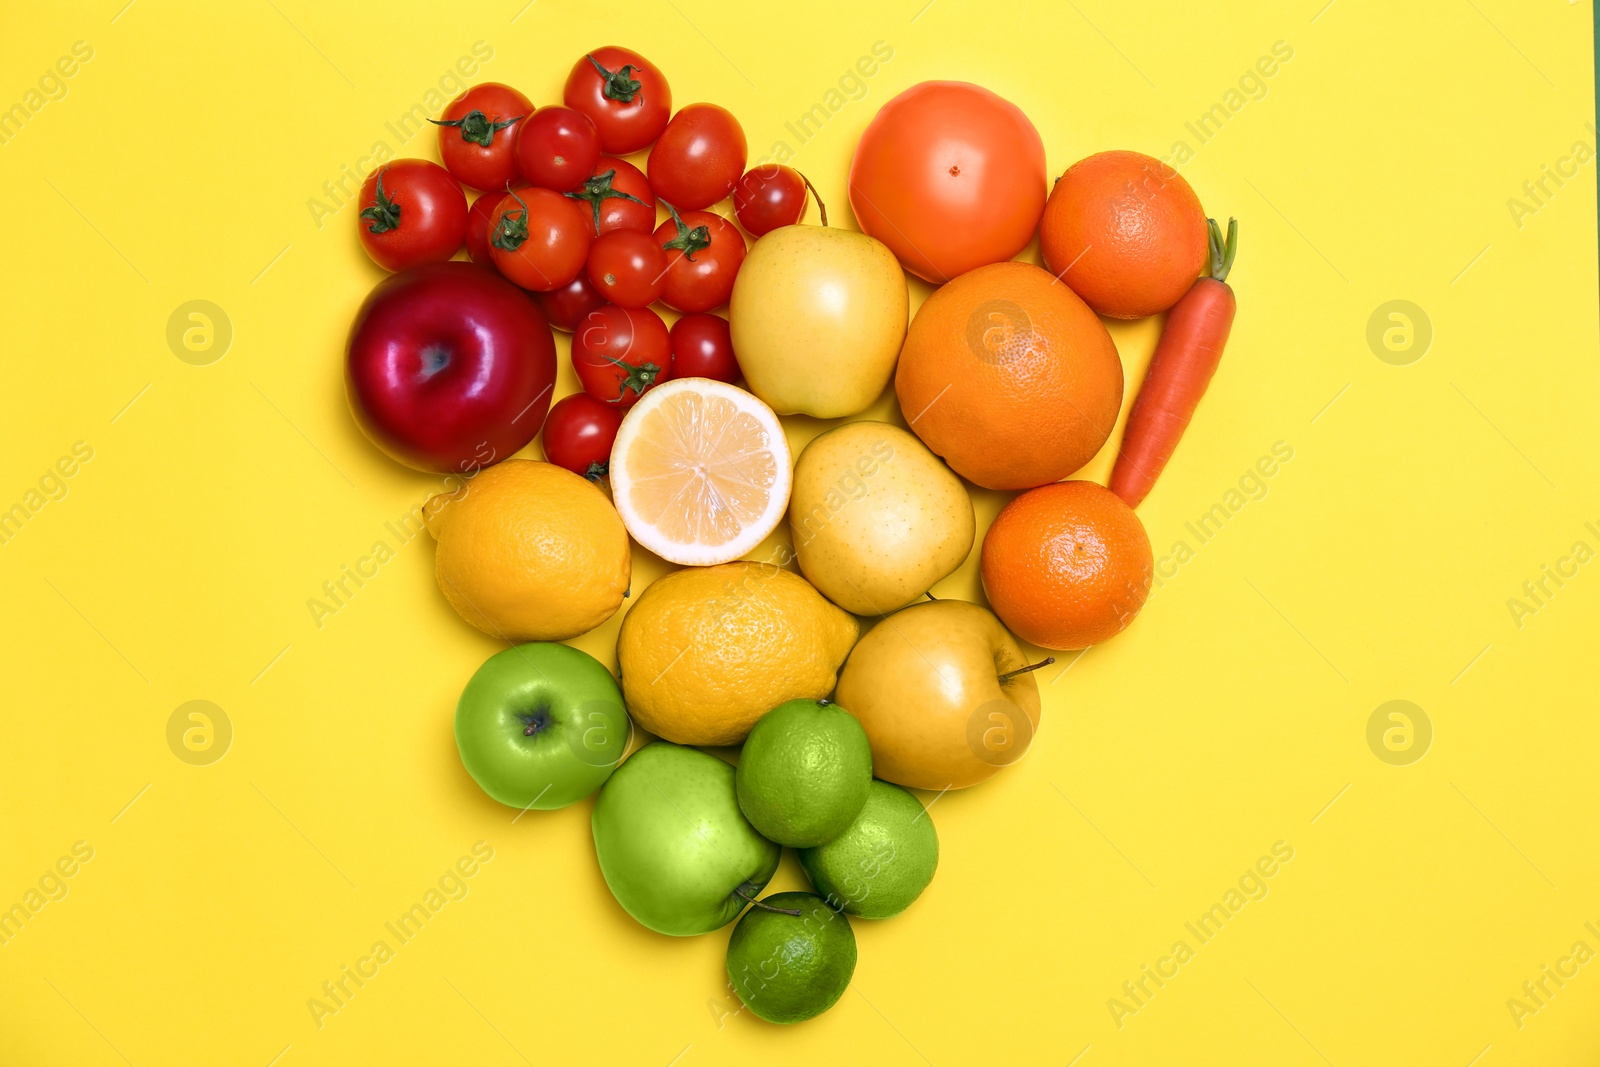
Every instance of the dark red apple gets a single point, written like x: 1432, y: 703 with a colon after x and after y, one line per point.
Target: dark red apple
x: 449, y: 367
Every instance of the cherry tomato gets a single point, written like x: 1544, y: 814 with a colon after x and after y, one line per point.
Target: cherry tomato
x: 704, y: 253
x: 771, y: 196
x: 624, y: 94
x: 619, y: 197
x: 703, y: 348
x: 557, y: 148
x: 578, y: 434
x: 478, y: 219
x: 699, y: 157
x: 628, y: 267
x: 566, y: 307
x: 476, y: 138
x: 619, y: 353
x: 412, y: 212
x: 538, y: 238
x: 950, y: 177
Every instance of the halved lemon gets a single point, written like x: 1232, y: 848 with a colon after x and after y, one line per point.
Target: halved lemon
x: 700, y: 471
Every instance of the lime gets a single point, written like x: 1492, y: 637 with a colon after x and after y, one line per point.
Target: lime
x: 883, y: 862
x: 791, y: 965
x: 804, y: 773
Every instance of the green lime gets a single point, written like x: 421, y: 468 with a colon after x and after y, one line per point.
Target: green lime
x: 883, y: 862
x: 788, y: 966
x: 804, y: 773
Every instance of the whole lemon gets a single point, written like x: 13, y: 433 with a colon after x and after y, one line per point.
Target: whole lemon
x: 529, y: 551
x: 707, y: 651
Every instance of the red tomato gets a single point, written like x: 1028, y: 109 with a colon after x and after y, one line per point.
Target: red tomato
x: 770, y: 196
x: 478, y: 219
x: 627, y: 267
x: 475, y: 135
x: 619, y: 353
x: 538, y: 238
x: 412, y: 212
x: 557, y: 148
x: 619, y: 197
x: 699, y: 157
x: 704, y: 253
x: 950, y: 177
x: 578, y: 434
x: 566, y: 307
x: 624, y: 94
x: 702, y: 347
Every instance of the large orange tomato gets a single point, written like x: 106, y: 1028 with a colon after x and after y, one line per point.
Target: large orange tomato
x: 950, y: 177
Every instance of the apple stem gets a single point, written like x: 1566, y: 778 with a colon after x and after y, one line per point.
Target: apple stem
x: 748, y: 899
x: 1006, y: 677
x: 930, y: 596
x: 822, y: 209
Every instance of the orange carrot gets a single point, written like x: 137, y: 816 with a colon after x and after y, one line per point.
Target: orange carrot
x: 1186, y: 356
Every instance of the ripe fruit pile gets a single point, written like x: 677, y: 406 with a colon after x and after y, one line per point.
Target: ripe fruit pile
x: 1004, y: 377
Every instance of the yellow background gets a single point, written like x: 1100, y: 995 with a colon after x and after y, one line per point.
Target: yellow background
x: 1231, y: 716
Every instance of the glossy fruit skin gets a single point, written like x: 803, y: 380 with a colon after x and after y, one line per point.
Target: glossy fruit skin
x: 702, y: 279
x: 627, y: 267
x: 703, y: 348
x: 637, y: 339
x: 578, y: 434
x: 624, y: 125
x: 432, y: 214
x: 951, y: 177
x: 672, y: 845
x: 925, y: 685
x: 617, y: 212
x: 1126, y: 232
x: 477, y: 235
x: 699, y: 157
x: 818, y: 316
x: 481, y: 166
x: 1067, y: 565
x: 790, y: 968
x: 557, y: 148
x: 1040, y: 381
x: 541, y: 726
x: 770, y: 196
x: 441, y: 359
x: 556, y: 245
x: 567, y: 306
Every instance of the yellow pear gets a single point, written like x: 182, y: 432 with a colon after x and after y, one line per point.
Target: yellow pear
x: 876, y: 518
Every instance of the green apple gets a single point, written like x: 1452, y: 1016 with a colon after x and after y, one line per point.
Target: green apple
x: 541, y: 725
x: 673, y: 846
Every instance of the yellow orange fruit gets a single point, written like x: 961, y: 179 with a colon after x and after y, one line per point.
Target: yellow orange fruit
x: 1126, y: 232
x: 1067, y: 565
x: 529, y: 551
x: 1010, y: 377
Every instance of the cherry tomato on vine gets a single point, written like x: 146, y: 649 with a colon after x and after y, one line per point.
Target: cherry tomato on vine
x: 566, y: 307
x: 578, y: 434
x: 619, y: 353
x: 538, y: 239
x: 617, y: 197
x: 476, y: 136
x: 771, y: 196
x: 703, y: 348
x: 626, y: 96
x: 557, y: 148
x: 699, y: 157
x: 412, y: 212
x: 628, y: 267
x: 704, y: 253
